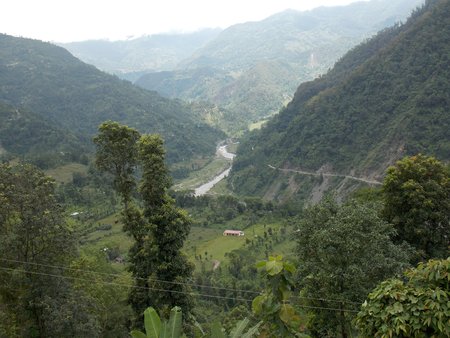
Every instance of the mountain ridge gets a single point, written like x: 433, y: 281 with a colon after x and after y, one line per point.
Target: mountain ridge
x: 285, y: 49
x: 49, y: 81
x: 385, y: 99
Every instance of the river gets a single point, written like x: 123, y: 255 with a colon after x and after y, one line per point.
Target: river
x: 204, y: 188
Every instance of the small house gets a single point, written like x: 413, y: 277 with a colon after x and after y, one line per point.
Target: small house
x: 233, y: 233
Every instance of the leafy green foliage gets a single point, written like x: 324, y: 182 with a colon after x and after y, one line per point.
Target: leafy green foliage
x: 108, y: 303
x: 384, y: 99
x: 279, y: 318
x: 159, y: 229
x: 236, y: 332
x: 117, y: 154
x: 343, y: 252
x: 35, y: 295
x: 416, y: 193
x: 417, y: 307
x: 155, y: 328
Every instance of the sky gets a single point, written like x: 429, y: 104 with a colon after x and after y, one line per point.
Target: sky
x: 78, y: 20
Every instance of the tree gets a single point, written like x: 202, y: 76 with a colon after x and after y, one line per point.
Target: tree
x: 159, y: 229
x: 416, y: 195
x: 35, y: 295
x: 117, y: 155
x: 279, y: 318
x: 419, y: 307
x: 343, y: 251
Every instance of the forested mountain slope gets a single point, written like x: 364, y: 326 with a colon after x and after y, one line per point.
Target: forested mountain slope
x: 385, y: 99
x: 49, y: 81
x: 252, y: 69
x: 30, y: 137
x: 292, y: 36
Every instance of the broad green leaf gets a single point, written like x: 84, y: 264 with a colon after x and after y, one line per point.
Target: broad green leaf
x: 289, y: 267
x: 237, y: 331
x: 261, y: 264
x: 274, y: 267
x: 174, y: 325
x: 287, y: 313
x: 137, y: 334
x: 198, y: 329
x: 152, y: 323
x: 257, y: 304
x: 164, y: 330
x: 252, y: 331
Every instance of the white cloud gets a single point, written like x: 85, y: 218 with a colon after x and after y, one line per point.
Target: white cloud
x: 70, y: 20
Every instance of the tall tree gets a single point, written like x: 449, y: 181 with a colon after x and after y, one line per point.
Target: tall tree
x: 169, y: 226
x: 35, y: 295
x: 416, y: 194
x: 343, y: 251
x: 159, y: 229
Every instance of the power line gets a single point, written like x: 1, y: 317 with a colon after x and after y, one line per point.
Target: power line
x: 140, y: 278
x: 179, y: 283
x: 10, y: 270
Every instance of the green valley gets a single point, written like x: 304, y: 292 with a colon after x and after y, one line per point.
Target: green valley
x: 197, y: 208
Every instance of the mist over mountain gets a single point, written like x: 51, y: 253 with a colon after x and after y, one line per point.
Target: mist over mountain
x: 47, y: 80
x: 292, y: 36
x: 252, y: 69
x: 144, y: 54
x: 385, y: 99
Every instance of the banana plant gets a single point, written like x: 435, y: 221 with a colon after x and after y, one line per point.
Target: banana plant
x: 155, y: 328
x: 237, y: 331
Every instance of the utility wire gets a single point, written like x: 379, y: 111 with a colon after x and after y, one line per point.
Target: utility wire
x: 179, y: 283
x: 10, y: 270
x: 140, y: 278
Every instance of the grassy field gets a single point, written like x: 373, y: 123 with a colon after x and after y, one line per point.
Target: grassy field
x: 112, y: 238
x: 64, y: 173
x: 216, y: 245
x: 201, y: 240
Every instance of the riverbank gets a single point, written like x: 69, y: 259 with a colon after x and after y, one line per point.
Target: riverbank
x: 205, y: 188
x: 203, y: 180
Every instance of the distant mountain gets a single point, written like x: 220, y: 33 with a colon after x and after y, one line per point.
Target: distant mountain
x: 294, y: 36
x: 145, y: 54
x: 47, y: 80
x: 385, y: 99
x: 253, y: 68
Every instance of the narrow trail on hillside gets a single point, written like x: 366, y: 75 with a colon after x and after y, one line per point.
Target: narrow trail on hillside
x: 303, y: 172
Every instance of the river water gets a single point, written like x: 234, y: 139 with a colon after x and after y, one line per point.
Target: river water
x: 203, y: 189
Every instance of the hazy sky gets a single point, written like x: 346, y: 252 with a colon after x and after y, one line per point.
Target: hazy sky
x: 75, y: 20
